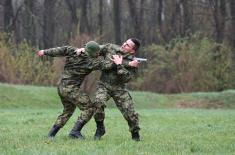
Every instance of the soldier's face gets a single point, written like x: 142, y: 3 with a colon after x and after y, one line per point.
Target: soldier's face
x: 95, y: 55
x: 128, y: 46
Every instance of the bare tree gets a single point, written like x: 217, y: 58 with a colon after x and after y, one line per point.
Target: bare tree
x: 232, y: 11
x: 117, y: 21
x: 135, y: 17
x: 84, y: 24
x: 49, y: 23
x: 2, y: 16
x: 29, y: 22
x: 219, y: 14
x: 73, y: 6
x: 175, y: 19
x: 153, y: 21
x: 187, y: 16
x: 100, y: 17
x: 160, y: 14
x: 8, y: 15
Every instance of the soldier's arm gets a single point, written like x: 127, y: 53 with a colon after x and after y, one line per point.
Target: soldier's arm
x: 102, y: 64
x: 130, y: 63
x: 126, y: 74
x: 108, y: 64
x: 59, y: 51
x: 104, y: 49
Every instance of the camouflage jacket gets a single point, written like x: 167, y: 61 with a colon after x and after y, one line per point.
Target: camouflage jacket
x: 76, y: 67
x: 120, y: 74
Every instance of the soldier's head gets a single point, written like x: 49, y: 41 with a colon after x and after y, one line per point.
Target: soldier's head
x: 130, y: 46
x: 92, y: 48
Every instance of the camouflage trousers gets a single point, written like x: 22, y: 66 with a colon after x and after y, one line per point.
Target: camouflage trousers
x: 122, y: 100
x: 71, y: 97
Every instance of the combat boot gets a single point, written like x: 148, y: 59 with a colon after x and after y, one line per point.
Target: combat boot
x: 53, y: 131
x: 135, y: 136
x: 76, y: 131
x: 100, y: 130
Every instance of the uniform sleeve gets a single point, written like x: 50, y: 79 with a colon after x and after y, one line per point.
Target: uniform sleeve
x: 104, y: 49
x: 125, y: 63
x: 102, y: 64
x: 105, y: 64
x: 60, y: 51
x: 126, y: 74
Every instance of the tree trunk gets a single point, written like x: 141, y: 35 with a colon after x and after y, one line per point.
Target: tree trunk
x: 84, y: 25
x: 159, y: 13
x: 187, y: 17
x: 2, y: 15
x: 232, y: 31
x: 72, y: 6
x: 100, y: 17
x: 117, y: 21
x: 135, y: 17
x: 222, y: 17
x: 219, y: 13
x: 8, y: 16
x: 49, y: 23
x: 29, y: 23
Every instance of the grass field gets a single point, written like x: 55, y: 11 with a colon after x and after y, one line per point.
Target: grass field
x: 16, y: 96
x: 23, y: 131
x: 27, y: 113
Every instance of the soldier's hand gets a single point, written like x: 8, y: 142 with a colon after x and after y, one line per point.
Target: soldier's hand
x: 40, y: 53
x: 117, y: 59
x: 79, y: 51
x: 133, y: 63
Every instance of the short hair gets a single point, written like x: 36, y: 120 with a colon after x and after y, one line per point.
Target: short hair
x: 136, y: 42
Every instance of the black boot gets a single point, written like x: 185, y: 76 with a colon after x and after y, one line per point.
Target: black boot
x: 76, y: 131
x: 135, y: 136
x: 53, y: 131
x: 100, y: 130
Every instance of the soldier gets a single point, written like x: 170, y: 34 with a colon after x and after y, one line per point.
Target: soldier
x: 113, y: 84
x: 75, y: 69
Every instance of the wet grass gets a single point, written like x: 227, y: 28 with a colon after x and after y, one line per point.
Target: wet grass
x: 165, y: 131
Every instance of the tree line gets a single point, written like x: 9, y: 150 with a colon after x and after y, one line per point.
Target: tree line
x: 47, y: 23
x: 44, y: 24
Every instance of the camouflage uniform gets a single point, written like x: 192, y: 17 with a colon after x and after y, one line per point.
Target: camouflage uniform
x: 113, y: 84
x: 75, y: 69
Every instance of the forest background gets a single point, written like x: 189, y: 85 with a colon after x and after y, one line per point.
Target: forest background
x: 189, y: 44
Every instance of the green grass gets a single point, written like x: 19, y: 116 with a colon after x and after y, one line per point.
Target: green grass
x: 46, y: 97
x: 168, y: 131
x: 27, y: 96
x: 28, y: 112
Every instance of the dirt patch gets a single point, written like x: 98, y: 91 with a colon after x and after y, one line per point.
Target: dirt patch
x: 206, y: 104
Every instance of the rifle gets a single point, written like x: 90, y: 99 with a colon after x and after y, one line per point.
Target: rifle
x: 140, y: 59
